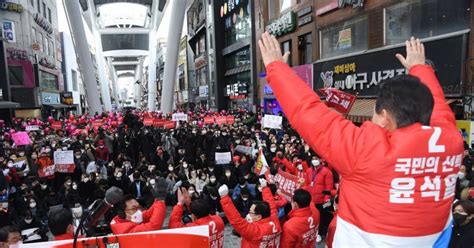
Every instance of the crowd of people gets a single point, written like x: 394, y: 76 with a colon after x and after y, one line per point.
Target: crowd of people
x: 157, y: 167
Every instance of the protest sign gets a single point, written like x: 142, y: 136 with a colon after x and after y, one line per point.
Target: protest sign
x: 21, y: 165
x: 56, y: 125
x: 148, y: 122
x: 221, y: 120
x: 244, y: 149
x: 21, y: 138
x: 223, y: 157
x: 64, y: 161
x: 339, y: 100
x: 179, y: 117
x: 32, y: 128
x: 96, y: 124
x: 286, y: 183
x: 47, y: 171
x: 272, y: 121
x: 169, y: 125
x: 158, y: 123
x: 208, y: 120
x: 230, y: 119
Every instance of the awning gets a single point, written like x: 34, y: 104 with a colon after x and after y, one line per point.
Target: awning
x: 363, y: 109
x: 8, y: 104
x: 58, y: 105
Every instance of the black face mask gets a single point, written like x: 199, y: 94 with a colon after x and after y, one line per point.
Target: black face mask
x: 459, y: 218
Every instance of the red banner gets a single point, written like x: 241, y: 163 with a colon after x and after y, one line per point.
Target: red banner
x: 65, y: 168
x: 339, y: 100
x: 56, y: 125
x: 230, y: 119
x: 158, y: 122
x: 286, y: 183
x: 148, y: 122
x: 208, y: 120
x: 47, y: 171
x: 222, y: 120
x: 169, y: 125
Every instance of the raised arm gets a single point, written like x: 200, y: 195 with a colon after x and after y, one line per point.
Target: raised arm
x: 326, y: 131
x: 415, y: 63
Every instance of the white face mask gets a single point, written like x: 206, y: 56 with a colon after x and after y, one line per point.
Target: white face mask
x: 34, y: 156
x: 315, y: 162
x: 170, y: 168
x: 273, y: 149
x: 191, y: 192
x: 152, y: 182
x: 299, y: 167
x: 213, y: 180
x: 119, y: 174
x: 21, y: 154
x: 10, y: 165
x: 227, y: 174
x: 74, y: 187
x: 44, y: 186
x: 248, y: 218
x: 32, y: 204
x: 137, y: 217
x: 28, y: 221
x: 461, y: 175
x: 185, y: 166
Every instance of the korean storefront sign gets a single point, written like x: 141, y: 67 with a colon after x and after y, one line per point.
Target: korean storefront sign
x: 286, y: 24
x: 361, y: 74
x: 14, y: 7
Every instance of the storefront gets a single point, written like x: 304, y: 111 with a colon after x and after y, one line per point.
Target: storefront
x: 360, y: 74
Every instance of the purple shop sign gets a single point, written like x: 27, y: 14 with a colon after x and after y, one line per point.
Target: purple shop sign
x: 28, y: 73
x: 305, y: 72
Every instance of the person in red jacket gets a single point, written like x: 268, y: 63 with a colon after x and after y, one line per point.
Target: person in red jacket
x: 130, y: 219
x: 297, y: 167
x: 200, y: 211
x: 261, y: 227
x: 332, y: 225
x: 392, y: 169
x: 301, y: 229
x: 101, y: 152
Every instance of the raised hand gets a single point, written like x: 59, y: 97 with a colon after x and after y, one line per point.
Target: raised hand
x: 270, y: 49
x: 415, y: 54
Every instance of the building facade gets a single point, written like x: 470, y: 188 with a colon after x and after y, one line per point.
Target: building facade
x: 73, y: 85
x: 353, y: 44
x: 33, y: 55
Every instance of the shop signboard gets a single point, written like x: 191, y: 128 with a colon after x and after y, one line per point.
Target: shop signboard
x: 13, y: 7
x: 324, y: 6
x: 285, y: 24
x: 67, y: 98
x: 203, y: 91
x: 49, y: 98
x: 361, y: 74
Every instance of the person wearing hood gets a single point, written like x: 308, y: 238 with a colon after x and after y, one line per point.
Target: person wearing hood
x: 463, y: 230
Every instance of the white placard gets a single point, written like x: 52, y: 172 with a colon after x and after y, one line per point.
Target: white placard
x: 272, y: 121
x: 244, y: 149
x: 180, y: 117
x: 223, y: 157
x: 63, y: 157
x: 32, y: 128
x: 31, y: 234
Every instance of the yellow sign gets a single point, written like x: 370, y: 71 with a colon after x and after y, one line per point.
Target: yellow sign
x: 345, y: 68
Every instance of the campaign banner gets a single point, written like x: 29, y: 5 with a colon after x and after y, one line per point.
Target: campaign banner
x: 339, y: 100
x: 32, y: 128
x: 169, y: 125
x: 179, y: 117
x: 21, y: 138
x: 221, y: 120
x: 196, y: 237
x: 158, y: 122
x: 286, y: 183
x: 272, y: 121
x: 148, y: 122
x: 56, y: 125
x: 65, y: 168
x: 244, y: 149
x: 230, y: 119
x: 223, y: 157
x: 47, y: 171
x: 208, y: 120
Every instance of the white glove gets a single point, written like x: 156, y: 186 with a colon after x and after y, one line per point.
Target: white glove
x: 223, y: 190
x: 263, y: 182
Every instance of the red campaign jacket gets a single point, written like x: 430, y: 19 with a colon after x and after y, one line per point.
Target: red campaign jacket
x: 387, y: 178
x: 316, y: 181
x: 280, y: 201
x: 301, y: 229
x: 215, y: 223
x: 153, y: 219
x: 291, y: 167
x: 263, y: 233
x: 331, y: 230
x: 102, y: 153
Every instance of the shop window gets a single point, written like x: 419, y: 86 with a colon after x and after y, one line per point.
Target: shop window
x: 74, y: 80
x: 239, y: 58
x: 49, y: 15
x: 48, y: 81
x: 38, y: 6
x: 424, y: 19
x: 16, y: 74
x: 237, y: 23
x: 46, y: 46
x: 51, y: 48
x: 33, y: 35
x: 305, y: 48
x: 40, y: 40
x: 343, y: 38
x: 286, y: 47
x: 284, y: 5
x: 44, y: 10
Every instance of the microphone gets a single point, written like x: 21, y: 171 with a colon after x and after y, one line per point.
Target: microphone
x: 101, y: 206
